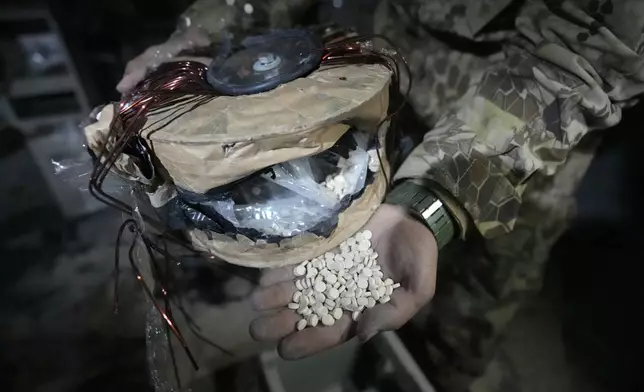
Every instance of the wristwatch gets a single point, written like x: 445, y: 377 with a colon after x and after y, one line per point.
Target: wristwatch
x: 424, y: 206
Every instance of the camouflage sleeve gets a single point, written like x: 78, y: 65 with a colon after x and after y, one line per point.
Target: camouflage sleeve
x: 576, y: 66
x: 462, y: 17
x: 217, y: 16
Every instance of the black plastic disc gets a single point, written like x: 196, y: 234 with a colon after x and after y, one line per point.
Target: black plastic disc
x: 264, y: 62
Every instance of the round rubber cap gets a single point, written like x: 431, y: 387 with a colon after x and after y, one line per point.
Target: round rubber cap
x: 264, y: 62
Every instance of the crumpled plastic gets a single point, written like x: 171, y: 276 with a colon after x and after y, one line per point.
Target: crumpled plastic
x: 283, y: 200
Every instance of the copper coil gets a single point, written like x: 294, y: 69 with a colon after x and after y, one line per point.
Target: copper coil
x: 174, y: 89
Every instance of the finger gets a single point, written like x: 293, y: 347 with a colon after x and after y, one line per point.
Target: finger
x: 385, y: 317
x: 276, y: 275
x: 311, y: 341
x: 272, y: 297
x: 274, y: 326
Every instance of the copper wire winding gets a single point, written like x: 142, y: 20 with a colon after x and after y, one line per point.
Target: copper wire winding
x: 172, y: 90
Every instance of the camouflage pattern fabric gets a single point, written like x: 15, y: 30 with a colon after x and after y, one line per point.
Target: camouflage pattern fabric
x: 509, y: 152
x: 507, y: 138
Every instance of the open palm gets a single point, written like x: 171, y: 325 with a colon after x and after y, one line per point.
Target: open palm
x: 408, y: 255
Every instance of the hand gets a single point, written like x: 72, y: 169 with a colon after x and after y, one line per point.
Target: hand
x: 407, y: 253
x: 154, y: 56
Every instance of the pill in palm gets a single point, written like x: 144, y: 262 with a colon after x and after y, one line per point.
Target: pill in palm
x: 350, y: 280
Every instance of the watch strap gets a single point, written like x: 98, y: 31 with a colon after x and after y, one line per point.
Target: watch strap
x: 424, y: 206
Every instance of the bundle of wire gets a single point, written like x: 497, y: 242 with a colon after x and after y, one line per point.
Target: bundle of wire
x: 172, y: 90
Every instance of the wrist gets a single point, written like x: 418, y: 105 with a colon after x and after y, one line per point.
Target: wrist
x: 424, y: 206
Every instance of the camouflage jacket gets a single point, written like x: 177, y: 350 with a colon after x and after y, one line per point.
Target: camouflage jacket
x: 570, y: 69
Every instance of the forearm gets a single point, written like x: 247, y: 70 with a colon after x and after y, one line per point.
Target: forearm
x: 528, y: 113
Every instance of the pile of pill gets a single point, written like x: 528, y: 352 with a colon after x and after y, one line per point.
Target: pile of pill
x: 333, y: 283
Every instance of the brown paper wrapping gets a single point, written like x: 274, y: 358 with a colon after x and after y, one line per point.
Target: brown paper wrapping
x: 232, y: 137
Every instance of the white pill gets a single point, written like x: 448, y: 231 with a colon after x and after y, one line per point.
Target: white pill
x: 359, y: 236
x: 342, y: 280
x: 321, y: 310
x: 300, y: 270
x: 320, y: 297
x: 354, y: 302
x: 298, y: 285
x: 329, y: 256
x: 325, y: 271
x: 382, y: 291
x: 367, y: 272
x: 306, y: 312
x: 360, y: 293
x: 296, y: 296
x: 313, y: 320
x: 362, y: 301
x: 331, y: 278
x: 363, y: 283
x: 328, y: 320
x: 351, y: 284
x: 337, y: 313
x: 389, y: 290
x: 307, y: 291
x: 345, y: 301
x: 333, y: 293
x: 320, y: 287
x: 301, y: 324
x: 378, y: 274
x: 355, y: 315
x: 329, y: 303
x: 293, y: 306
x: 248, y: 8
x: 396, y: 285
x: 385, y: 299
x: 312, y: 272
x: 363, y: 246
x: 304, y: 300
x: 367, y: 294
x: 389, y: 282
x: 371, y: 303
x: 375, y: 295
x: 367, y: 234
x: 351, y: 241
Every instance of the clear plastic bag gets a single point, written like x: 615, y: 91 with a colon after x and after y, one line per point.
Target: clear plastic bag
x: 285, y: 199
x: 77, y: 171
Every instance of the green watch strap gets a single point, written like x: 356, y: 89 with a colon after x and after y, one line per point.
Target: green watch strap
x: 426, y: 207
